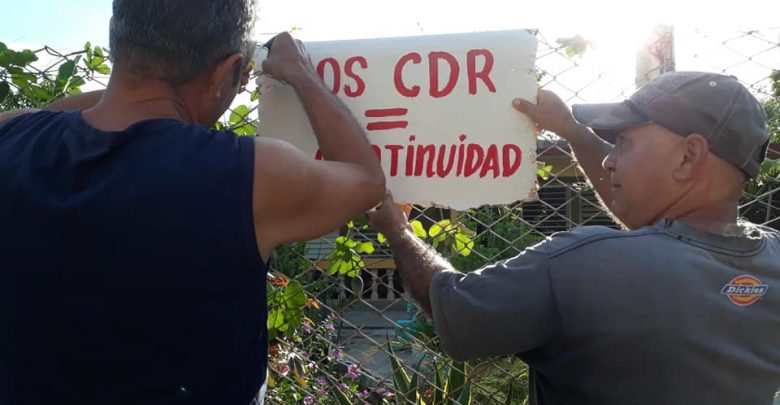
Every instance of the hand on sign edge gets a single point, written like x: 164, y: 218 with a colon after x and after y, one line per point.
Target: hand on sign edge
x: 390, y: 218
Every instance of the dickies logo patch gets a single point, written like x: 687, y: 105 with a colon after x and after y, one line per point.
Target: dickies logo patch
x: 744, y: 290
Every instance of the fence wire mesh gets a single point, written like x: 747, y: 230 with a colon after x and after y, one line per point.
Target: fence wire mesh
x: 340, y: 325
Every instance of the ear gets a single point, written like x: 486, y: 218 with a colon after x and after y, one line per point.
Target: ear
x: 223, y: 76
x: 695, y: 150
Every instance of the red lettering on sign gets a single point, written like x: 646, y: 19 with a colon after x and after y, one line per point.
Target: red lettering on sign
x: 441, y: 170
x: 472, y: 159
x: 377, y: 152
x: 484, y: 74
x: 394, y: 149
x: 421, y: 162
x: 382, y: 126
x: 385, y: 113
x: 334, y: 66
x: 349, y: 70
x: 414, y: 91
x: 475, y: 155
x: 433, y: 67
x: 410, y: 158
x: 491, y: 162
x: 461, y: 151
x: 511, y: 163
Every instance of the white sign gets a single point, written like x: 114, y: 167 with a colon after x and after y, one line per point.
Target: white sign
x: 436, y: 109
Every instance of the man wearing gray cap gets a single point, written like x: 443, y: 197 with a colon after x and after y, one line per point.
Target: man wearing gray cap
x: 680, y: 308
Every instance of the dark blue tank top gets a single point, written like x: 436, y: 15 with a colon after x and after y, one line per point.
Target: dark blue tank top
x: 129, y: 270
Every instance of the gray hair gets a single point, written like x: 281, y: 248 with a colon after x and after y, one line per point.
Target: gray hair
x: 175, y: 40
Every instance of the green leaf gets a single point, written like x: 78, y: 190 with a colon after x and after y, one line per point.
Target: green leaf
x: 463, y: 244
x: 400, y: 377
x: 435, y: 230
x: 445, y: 225
x: 24, y: 58
x: 245, y: 130
x: 419, y: 230
x: 345, y: 266
x: 543, y: 170
x: 240, y: 122
x: 334, y: 267
x: 465, y: 395
x: 66, y: 70
x: 355, y: 270
x: 509, y: 394
x: 2, y: 47
x: 103, y: 69
x: 75, y: 84
x: 95, y: 62
x: 439, y: 391
x: 294, y: 295
x: 5, y: 90
x: 7, y: 57
x: 380, y: 237
x: 23, y: 79
x: 37, y: 92
x: 413, y: 394
x: 456, y: 378
x: 239, y: 115
x: 365, y: 247
x: 275, y: 318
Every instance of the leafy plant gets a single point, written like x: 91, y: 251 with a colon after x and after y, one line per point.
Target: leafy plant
x: 345, y: 258
x: 286, y: 304
x: 22, y: 85
x: 311, y: 370
x: 450, y: 390
x: 500, y: 234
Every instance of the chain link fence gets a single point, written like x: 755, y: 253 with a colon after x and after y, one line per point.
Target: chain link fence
x: 341, y: 329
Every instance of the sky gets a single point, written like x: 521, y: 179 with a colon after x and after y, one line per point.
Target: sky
x: 68, y: 24
x: 615, y: 26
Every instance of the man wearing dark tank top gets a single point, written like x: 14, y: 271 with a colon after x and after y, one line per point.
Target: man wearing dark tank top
x: 134, y: 239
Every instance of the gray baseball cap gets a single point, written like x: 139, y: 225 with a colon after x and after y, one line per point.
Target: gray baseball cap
x: 715, y: 106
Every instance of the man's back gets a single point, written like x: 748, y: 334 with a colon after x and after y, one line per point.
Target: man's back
x: 663, y: 314
x: 129, y: 270
x: 657, y: 316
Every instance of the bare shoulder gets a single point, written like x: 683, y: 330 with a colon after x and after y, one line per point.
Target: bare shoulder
x: 278, y: 161
x: 270, y: 153
x: 281, y: 167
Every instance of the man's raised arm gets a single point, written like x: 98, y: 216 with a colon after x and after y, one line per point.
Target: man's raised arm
x: 296, y: 197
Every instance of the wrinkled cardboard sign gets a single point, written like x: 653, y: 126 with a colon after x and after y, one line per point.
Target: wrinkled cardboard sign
x: 436, y: 109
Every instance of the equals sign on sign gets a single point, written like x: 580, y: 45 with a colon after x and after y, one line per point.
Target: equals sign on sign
x: 384, y: 119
